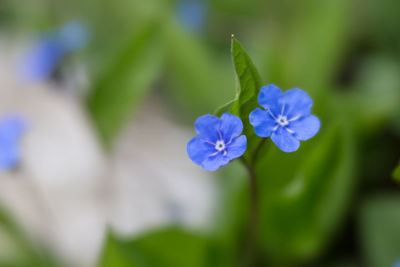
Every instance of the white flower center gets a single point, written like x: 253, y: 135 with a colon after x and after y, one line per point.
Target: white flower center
x: 220, y: 145
x: 282, y: 120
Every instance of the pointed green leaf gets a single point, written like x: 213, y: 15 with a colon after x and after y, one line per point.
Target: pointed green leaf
x: 248, y: 81
x: 248, y: 84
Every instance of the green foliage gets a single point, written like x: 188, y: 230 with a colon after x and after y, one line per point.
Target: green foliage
x: 169, y: 247
x: 304, y: 204
x: 24, y: 253
x: 396, y: 173
x: 379, y: 223
x: 122, y: 86
x: 198, y: 80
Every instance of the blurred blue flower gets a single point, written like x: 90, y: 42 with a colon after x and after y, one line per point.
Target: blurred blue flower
x: 191, y: 13
x: 396, y: 264
x: 218, y: 141
x: 12, y: 128
x: 46, y: 55
x: 73, y: 35
x: 287, y: 117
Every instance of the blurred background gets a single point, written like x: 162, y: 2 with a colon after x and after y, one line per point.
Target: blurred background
x: 97, y: 104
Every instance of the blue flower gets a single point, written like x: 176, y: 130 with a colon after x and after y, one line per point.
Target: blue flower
x: 191, y: 13
x: 47, y: 54
x: 396, y: 264
x: 218, y: 141
x: 73, y: 35
x: 43, y: 59
x: 287, y: 117
x: 11, y: 130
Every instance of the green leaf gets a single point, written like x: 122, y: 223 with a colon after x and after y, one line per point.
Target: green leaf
x: 248, y: 84
x: 313, y: 51
x: 170, y: 247
x: 396, y: 173
x: 304, y: 195
x: 379, y: 224
x: 198, y: 79
x: 21, y: 250
x: 248, y: 81
x: 121, y: 87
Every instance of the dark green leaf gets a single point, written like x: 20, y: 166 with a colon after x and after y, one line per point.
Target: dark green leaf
x: 304, y: 195
x: 171, y: 247
x: 379, y: 224
x: 396, y: 173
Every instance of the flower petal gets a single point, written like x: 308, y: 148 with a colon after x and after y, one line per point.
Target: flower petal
x: 9, y: 156
x: 207, y: 126
x: 11, y: 128
x: 285, y: 140
x: 198, y: 150
x: 214, y: 162
x: 269, y: 98
x: 305, y: 128
x: 262, y: 122
x: 297, y: 103
x: 231, y: 126
x: 237, y: 147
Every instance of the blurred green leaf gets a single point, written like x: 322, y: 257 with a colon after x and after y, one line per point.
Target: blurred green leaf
x: 124, y: 83
x: 170, y: 247
x: 304, y: 195
x: 377, y: 95
x: 314, y: 48
x: 22, y: 252
x: 379, y: 228
x: 199, y: 79
x: 396, y: 173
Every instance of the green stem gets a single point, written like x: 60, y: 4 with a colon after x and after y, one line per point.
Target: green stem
x: 257, y: 152
x: 252, y: 248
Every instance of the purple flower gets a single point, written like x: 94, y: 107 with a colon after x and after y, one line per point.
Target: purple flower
x: 287, y: 117
x: 11, y: 130
x: 218, y: 141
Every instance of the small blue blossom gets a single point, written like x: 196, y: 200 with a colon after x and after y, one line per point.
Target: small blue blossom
x: 287, y: 117
x: 46, y: 55
x: 396, y: 264
x: 218, y: 141
x: 73, y: 35
x: 43, y: 59
x: 191, y: 13
x: 11, y: 130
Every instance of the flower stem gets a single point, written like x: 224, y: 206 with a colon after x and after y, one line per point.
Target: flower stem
x: 252, y: 248
x: 251, y: 253
x: 257, y: 152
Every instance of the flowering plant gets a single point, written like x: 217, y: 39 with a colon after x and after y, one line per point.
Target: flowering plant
x: 286, y: 118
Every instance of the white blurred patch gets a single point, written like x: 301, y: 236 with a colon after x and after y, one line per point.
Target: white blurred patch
x: 66, y: 189
x: 56, y: 193
x: 153, y: 173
